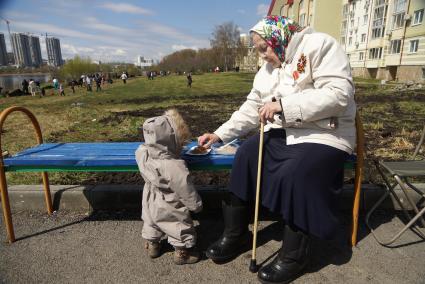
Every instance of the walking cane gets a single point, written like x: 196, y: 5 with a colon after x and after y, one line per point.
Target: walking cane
x: 253, y: 265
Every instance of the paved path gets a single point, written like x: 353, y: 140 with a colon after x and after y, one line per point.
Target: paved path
x: 75, y: 247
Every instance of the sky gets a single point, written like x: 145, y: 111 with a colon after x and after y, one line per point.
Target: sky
x: 112, y: 31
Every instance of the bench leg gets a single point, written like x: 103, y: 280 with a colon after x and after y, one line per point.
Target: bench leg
x: 47, y: 196
x: 6, y: 206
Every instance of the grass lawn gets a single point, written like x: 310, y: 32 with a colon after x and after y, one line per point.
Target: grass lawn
x: 392, y: 119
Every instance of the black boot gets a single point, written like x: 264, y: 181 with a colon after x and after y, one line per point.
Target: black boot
x: 293, y: 257
x: 236, y: 235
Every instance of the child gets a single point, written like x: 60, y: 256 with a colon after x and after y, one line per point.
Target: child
x: 168, y: 195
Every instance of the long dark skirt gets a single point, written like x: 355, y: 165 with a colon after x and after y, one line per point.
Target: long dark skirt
x: 301, y: 182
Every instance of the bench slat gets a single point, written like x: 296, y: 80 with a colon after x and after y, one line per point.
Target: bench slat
x: 104, y: 157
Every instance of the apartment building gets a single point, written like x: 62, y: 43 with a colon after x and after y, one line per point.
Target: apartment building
x: 384, y: 39
x: 248, y: 63
x: 54, y: 54
x: 3, y: 51
x: 35, y: 51
x: 143, y: 62
x: 322, y: 15
x: 21, y: 49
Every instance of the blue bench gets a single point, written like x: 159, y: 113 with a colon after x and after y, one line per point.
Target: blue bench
x: 101, y: 157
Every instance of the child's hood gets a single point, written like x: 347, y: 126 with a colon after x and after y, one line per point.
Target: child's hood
x: 160, y: 132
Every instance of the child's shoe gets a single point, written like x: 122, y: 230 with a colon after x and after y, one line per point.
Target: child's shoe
x: 153, y: 248
x: 184, y: 255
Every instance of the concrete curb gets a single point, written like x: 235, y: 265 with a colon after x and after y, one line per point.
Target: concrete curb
x: 128, y: 197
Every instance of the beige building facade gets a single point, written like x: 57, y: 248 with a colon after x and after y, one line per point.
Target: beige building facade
x: 384, y: 39
x: 249, y: 62
x: 322, y: 15
x: 392, y: 47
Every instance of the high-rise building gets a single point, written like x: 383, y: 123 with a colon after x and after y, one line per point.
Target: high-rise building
x: 21, y: 49
x: 35, y: 51
x: 3, y: 51
x: 384, y: 39
x: 54, y: 54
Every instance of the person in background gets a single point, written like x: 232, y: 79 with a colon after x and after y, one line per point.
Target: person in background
x: 25, y: 85
x: 189, y: 80
x: 304, y: 92
x: 55, y: 83
x: 98, y: 81
x: 168, y: 194
x: 61, y: 90
x: 124, y: 77
x: 31, y: 87
x: 88, y: 83
x: 73, y: 83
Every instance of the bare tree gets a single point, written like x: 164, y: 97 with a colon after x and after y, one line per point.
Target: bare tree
x: 226, y: 40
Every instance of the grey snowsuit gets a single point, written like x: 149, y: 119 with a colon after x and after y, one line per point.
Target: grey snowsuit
x: 168, y: 194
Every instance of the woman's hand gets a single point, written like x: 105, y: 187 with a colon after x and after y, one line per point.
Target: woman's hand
x: 267, y: 111
x: 207, y: 139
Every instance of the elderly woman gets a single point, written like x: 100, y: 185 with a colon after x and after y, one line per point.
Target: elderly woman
x: 305, y: 94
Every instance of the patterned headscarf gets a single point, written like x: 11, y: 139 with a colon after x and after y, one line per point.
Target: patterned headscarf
x: 277, y: 31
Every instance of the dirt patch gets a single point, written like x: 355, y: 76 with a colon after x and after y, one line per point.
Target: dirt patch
x: 395, y: 96
x: 215, y: 110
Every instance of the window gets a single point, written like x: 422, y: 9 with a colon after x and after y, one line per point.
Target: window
x: 345, y: 10
x: 343, y: 40
x: 352, y: 23
x: 375, y: 53
x: 301, y: 4
x: 399, y: 6
x: 366, y: 6
x: 399, y: 12
x: 365, y: 18
x: 414, y: 45
x: 302, y: 20
x: 349, y: 56
x: 361, y: 55
x: 398, y: 21
x: 395, y: 46
x: 418, y: 17
x: 423, y: 73
x: 350, y: 40
x: 378, y: 32
x: 379, y: 16
x: 363, y: 38
x: 343, y: 27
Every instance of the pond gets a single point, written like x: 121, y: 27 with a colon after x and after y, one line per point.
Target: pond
x: 14, y: 81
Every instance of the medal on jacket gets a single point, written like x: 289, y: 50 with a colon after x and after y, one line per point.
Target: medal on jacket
x: 302, y: 62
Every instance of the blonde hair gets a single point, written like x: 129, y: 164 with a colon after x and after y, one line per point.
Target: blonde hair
x: 182, y: 130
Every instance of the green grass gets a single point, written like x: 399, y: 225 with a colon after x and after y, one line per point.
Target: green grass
x: 392, y: 119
